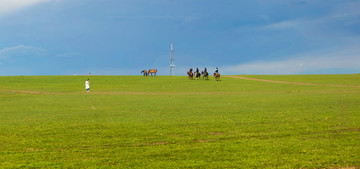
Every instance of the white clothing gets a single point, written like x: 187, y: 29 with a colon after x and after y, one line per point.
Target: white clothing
x: 87, y: 85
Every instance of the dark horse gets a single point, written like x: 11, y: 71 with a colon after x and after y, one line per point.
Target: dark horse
x: 205, y: 75
x: 190, y: 75
x: 217, y: 76
x: 144, y: 72
x: 151, y: 71
x: 197, y: 75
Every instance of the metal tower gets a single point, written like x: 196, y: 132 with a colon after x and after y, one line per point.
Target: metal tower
x: 172, y: 64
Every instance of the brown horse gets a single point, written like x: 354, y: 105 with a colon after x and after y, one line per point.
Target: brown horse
x: 190, y: 75
x: 144, y: 72
x: 152, y: 71
x: 205, y: 75
x: 217, y: 76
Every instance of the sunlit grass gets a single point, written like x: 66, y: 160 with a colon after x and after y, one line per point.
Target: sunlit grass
x: 232, y: 123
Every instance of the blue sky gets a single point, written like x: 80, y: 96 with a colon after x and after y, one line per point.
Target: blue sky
x: 118, y: 37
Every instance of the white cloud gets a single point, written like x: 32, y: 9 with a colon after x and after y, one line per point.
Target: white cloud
x: 9, y: 6
x: 21, y: 50
x: 348, y: 58
x: 283, y: 25
x: 345, y: 13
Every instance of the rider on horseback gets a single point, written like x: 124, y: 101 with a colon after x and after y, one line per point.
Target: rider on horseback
x: 197, y: 74
x: 216, y: 73
x: 205, y: 74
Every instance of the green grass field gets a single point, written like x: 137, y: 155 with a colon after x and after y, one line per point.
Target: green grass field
x: 173, y: 122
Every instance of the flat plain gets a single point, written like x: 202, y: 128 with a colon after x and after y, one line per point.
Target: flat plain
x: 174, y: 122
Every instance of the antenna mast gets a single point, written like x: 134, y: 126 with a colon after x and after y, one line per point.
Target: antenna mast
x: 172, y: 64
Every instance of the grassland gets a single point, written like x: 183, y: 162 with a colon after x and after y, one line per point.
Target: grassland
x: 173, y: 122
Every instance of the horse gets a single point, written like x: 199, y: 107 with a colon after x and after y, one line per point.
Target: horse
x: 217, y: 76
x: 190, y: 75
x: 151, y: 71
x: 197, y: 75
x: 205, y: 75
x: 144, y: 72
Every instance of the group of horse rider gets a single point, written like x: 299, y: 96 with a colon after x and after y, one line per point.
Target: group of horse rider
x: 204, y: 73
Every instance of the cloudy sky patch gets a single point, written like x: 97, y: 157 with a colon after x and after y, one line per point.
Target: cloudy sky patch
x: 122, y: 37
x: 346, y: 59
x: 10, y: 6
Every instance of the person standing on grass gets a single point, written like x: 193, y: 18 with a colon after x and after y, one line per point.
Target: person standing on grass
x: 87, y: 85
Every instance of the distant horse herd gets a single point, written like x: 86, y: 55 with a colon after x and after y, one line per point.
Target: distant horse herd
x: 190, y: 74
x: 150, y: 72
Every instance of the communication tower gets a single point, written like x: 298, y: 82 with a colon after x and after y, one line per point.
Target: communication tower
x: 172, y: 64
